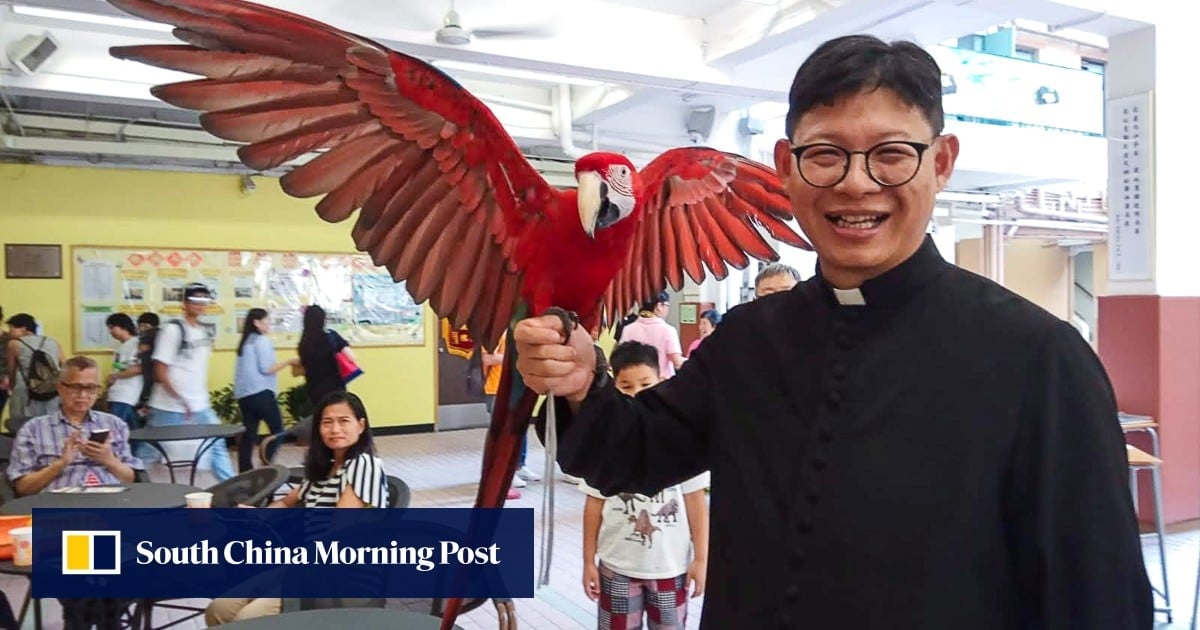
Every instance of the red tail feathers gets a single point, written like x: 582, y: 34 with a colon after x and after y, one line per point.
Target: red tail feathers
x: 500, y: 452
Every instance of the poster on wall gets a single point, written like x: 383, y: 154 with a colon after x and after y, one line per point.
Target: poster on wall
x: 1129, y: 128
x: 361, y: 301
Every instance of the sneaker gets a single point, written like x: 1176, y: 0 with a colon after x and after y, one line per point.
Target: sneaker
x: 571, y: 479
x: 518, y: 482
x: 525, y: 473
x: 513, y: 494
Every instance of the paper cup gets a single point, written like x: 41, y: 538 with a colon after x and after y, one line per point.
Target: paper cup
x: 22, y: 538
x: 198, y: 499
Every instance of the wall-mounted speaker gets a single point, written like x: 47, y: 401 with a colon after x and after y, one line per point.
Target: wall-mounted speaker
x: 30, y: 53
x: 700, y: 121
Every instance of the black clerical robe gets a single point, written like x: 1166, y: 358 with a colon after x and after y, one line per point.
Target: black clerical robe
x: 928, y: 452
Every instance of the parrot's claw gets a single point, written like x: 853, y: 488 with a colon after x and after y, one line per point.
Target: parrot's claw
x: 570, y: 321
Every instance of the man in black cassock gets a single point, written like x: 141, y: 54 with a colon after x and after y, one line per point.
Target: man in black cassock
x: 895, y: 443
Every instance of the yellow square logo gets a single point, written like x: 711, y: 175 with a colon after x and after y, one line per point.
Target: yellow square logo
x: 91, y: 552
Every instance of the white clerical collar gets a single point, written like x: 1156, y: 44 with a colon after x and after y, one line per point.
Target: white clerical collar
x: 849, y: 297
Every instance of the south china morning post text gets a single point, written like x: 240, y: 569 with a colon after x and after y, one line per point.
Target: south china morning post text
x: 334, y: 552
x: 342, y: 553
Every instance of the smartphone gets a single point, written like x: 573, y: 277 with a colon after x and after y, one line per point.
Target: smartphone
x: 100, y: 436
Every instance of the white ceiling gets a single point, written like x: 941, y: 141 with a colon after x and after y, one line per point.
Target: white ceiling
x: 686, y: 8
x: 635, y: 68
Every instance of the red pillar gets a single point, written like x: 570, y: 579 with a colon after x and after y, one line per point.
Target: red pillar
x: 1150, y: 346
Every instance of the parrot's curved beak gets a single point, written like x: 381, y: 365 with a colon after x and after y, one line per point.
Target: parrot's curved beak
x: 590, y: 198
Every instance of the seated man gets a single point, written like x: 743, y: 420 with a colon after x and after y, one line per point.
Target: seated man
x: 75, y: 446
x: 54, y: 451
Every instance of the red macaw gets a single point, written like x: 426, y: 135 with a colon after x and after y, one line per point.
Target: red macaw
x: 446, y: 200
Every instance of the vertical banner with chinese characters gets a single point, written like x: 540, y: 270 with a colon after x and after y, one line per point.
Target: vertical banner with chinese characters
x: 1129, y: 129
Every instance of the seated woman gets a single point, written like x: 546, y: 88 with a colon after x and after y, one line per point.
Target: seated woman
x: 340, y: 471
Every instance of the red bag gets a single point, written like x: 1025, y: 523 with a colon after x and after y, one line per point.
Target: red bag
x: 347, y: 368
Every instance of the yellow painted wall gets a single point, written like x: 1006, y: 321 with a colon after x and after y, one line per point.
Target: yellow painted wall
x: 968, y: 253
x: 85, y: 206
x: 1100, y: 269
x: 1040, y: 274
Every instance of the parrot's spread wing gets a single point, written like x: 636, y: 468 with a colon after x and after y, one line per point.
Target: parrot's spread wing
x: 448, y: 202
x: 703, y: 208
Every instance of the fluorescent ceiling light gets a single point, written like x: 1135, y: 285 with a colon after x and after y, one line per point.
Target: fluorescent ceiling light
x: 88, y: 18
x: 515, y: 73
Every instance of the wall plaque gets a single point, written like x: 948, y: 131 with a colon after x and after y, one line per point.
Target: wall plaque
x: 32, y: 261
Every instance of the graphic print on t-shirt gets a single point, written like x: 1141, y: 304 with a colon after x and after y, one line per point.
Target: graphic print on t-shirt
x: 645, y: 521
x: 647, y: 536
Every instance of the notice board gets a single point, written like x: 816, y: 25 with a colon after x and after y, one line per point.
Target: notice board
x: 361, y: 300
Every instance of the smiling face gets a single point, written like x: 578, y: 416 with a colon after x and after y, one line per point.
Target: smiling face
x: 859, y: 227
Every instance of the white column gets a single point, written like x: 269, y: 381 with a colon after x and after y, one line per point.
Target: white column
x: 1155, y: 64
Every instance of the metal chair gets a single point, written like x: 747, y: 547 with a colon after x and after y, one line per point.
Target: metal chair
x: 7, y: 491
x: 254, y: 487
x: 399, y: 495
x: 13, y: 425
x: 1140, y: 460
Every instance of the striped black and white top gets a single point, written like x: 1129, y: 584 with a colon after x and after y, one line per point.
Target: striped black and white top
x: 364, y: 474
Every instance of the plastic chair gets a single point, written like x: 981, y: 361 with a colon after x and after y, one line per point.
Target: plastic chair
x: 254, y: 487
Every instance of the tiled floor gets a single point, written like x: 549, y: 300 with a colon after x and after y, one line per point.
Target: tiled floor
x: 442, y: 470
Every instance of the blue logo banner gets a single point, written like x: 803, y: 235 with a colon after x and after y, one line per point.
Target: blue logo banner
x: 180, y: 553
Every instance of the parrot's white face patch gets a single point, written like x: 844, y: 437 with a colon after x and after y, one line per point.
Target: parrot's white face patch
x: 620, y: 188
x: 625, y: 203
x: 620, y: 179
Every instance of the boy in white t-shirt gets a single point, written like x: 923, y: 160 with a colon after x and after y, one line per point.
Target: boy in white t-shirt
x: 125, y: 380
x: 180, y: 392
x: 651, y: 549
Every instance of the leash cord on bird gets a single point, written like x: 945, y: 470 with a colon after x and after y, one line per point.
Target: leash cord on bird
x: 570, y: 321
x: 548, y: 492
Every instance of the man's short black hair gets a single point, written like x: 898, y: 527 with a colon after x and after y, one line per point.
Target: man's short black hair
x: 150, y: 319
x: 23, y: 320
x: 632, y: 353
x: 121, y: 320
x: 854, y: 63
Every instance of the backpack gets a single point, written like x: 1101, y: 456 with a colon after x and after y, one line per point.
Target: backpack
x: 146, y: 357
x: 42, y: 377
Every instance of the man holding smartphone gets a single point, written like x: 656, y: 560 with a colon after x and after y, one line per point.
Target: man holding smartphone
x: 75, y: 446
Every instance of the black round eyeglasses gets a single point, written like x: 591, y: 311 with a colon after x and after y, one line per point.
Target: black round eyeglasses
x: 893, y: 163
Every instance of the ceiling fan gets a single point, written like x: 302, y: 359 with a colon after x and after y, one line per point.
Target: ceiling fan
x: 453, y: 33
